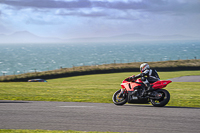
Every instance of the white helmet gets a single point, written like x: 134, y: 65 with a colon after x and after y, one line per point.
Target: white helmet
x: 144, y: 67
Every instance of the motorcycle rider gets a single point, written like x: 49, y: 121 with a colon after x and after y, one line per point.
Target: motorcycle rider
x: 147, y: 76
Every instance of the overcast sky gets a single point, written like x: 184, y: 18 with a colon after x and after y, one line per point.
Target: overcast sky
x: 94, y: 18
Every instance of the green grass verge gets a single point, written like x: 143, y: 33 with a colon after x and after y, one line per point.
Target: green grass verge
x: 46, y: 131
x: 96, y: 88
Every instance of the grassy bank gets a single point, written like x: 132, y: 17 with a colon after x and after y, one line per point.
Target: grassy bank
x: 97, y: 88
x: 106, y: 68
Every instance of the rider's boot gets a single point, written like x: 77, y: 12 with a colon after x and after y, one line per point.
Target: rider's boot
x: 149, y: 89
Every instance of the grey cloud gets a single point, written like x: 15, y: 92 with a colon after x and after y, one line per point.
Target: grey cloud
x: 155, y: 6
x: 91, y: 14
x: 150, y: 5
x: 173, y: 7
x: 145, y: 4
x: 48, y: 3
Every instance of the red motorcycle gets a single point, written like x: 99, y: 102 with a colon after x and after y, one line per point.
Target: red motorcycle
x: 132, y: 93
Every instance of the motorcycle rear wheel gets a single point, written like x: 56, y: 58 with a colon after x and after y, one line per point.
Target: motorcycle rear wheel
x: 163, y: 100
x: 117, y: 100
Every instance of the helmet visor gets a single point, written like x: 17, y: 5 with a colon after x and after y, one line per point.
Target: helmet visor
x: 142, y: 69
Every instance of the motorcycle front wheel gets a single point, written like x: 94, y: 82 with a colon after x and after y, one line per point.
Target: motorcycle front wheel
x: 164, y: 98
x: 117, y: 100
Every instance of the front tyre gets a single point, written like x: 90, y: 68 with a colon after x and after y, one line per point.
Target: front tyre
x: 163, y: 99
x: 117, y: 100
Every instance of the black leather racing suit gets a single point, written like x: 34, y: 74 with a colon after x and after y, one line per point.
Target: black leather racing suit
x: 147, y: 77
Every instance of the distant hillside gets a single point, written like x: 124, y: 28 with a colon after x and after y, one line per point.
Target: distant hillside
x: 27, y: 37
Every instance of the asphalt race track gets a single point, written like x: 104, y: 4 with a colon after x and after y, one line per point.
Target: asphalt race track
x: 187, y: 79
x: 98, y: 117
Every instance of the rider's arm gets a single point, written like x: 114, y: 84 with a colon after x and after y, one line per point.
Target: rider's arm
x: 135, y: 77
x: 142, y: 74
x: 139, y: 75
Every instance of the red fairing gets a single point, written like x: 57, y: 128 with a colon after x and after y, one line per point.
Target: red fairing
x: 130, y: 85
x: 161, y: 84
x: 124, y: 81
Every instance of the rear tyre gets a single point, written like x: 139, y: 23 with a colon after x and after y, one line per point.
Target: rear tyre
x: 117, y: 100
x: 163, y: 100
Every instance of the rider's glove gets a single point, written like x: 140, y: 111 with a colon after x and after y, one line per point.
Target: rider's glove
x: 132, y: 78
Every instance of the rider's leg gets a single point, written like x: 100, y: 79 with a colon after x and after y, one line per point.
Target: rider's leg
x: 146, y: 82
x: 149, y: 87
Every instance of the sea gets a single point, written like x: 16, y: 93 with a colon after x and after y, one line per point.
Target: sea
x: 23, y: 58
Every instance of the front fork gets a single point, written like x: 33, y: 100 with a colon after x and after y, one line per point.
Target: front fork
x: 122, y: 92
